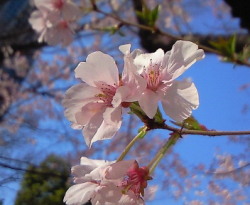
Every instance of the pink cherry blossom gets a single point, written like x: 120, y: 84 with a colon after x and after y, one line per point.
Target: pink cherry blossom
x: 107, y: 183
x: 40, y: 22
x: 51, y: 27
x: 159, y: 71
x: 131, y: 178
x: 55, y: 21
x: 87, y: 178
x: 96, y: 104
x: 67, y: 9
x: 61, y: 32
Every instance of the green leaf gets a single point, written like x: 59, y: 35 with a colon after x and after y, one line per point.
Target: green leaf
x: 245, y: 54
x: 158, y: 117
x: 149, y: 16
x: 227, y: 47
x: 113, y: 30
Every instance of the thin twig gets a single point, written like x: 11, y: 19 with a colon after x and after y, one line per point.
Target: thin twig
x: 157, y: 30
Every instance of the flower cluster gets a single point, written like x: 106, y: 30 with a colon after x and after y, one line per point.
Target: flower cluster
x: 95, y: 105
x: 107, y: 183
x: 55, y: 21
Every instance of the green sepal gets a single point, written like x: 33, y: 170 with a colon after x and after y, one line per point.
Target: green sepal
x: 191, y: 124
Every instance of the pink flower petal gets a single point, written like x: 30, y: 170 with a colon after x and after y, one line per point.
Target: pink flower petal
x: 131, y: 78
x: 110, y: 125
x: 70, y: 11
x: 149, y: 102
x: 77, y: 97
x: 125, y: 49
x: 143, y: 61
x: 182, y: 55
x: 80, y: 193
x: 87, y: 112
x: 99, y: 67
x: 118, y: 170
x: 181, y: 98
x: 90, y: 130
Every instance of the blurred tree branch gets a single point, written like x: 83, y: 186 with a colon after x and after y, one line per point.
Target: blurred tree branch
x: 151, y: 39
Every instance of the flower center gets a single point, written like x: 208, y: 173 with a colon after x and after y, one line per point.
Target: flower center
x: 153, y: 76
x: 136, y: 180
x: 58, y: 4
x: 63, y: 24
x: 107, y: 93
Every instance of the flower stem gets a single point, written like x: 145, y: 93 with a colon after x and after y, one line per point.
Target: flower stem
x: 140, y: 135
x: 155, y: 161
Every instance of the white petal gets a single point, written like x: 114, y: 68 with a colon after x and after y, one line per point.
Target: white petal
x: 121, y: 94
x: 112, y: 116
x: 92, y: 127
x: 89, y: 170
x: 182, y: 55
x: 130, y: 199
x: 144, y: 60
x: 118, y: 170
x: 81, y: 170
x: 70, y: 11
x: 125, y: 49
x: 77, y: 97
x: 87, y: 112
x: 99, y: 67
x: 109, y: 194
x: 92, y: 162
x: 110, y: 125
x: 149, y: 102
x: 181, y: 98
x: 37, y: 21
x: 132, y: 80
x: 80, y: 193
x: 45, y: 3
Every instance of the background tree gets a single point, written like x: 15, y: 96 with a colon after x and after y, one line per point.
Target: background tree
x: 46, y: 183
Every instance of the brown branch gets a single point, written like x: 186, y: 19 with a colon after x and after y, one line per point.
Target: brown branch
x: 31, y: 170
x: 153, y: 38
x: 229, y: 172
x: 152, y: 124
x: 159, y: 123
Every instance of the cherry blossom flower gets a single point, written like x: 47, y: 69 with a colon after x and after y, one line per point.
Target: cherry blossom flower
x: 68, y: 9
x: 51, y: 27
x: 107, y: 183
x: 159, y: 71
x: 87, y: 177
x: 39, y: 22
x: 61, y: 31
x: 130, y: 178
x: 55, y: 21
x: 96, y: 104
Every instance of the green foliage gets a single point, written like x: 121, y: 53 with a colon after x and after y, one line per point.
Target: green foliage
x: 158, y: 117
x: 245, y: 54
x: 114, y: 30
x: 227, y: 47
x: 149, y: 16
x: 45, y: 184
